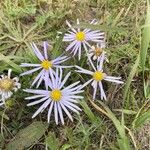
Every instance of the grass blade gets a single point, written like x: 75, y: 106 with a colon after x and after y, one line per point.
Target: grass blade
x: 145, y: 38
x: 141, y: 119
x: 88, y: 112
x: 131, y: 75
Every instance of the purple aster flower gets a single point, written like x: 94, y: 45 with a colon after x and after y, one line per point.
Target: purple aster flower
x: 97, y: 76
x: 58, y: 99
x: 81, y: 37
x: 45, y: 66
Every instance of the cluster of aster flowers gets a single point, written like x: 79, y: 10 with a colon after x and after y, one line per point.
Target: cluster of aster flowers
x: 55, y: 96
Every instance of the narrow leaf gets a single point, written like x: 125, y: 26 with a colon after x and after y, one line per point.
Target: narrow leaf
x: 125, y: 111
x: 88, y: 112
x: 145, y: 38
x: 141, y: 119
x: 131, y: 75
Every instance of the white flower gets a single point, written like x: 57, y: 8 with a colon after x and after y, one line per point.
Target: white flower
x: 46, y: 66
x: 59, y: 98
x: 81, y: 37
x: 96, y: 51
x: 97, y: 76
x: 7, y: 86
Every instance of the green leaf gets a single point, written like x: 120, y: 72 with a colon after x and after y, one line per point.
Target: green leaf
x: 28, y: 136
x: 88, y: 112
x: 52, y: 142
x: 131, y: 75
x: 123, y: 141
x: 141, y: 119
x: 145, y: 38
x: 125, y: 111
x: 147, y: 89
x: 114, y: 119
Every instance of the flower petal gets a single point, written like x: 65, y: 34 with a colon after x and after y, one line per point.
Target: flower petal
x: 113, y: 80
x: 50, y: 111
x: 103, y: 95
x: 38, y: 101
x: 37, y: 52
x: 45, y: 45
x: 45, y: 104
x: 65, y: 79
x: 56, y: 112
x: 30, y: 71
x: 60, y: 113
x: 66, y: 111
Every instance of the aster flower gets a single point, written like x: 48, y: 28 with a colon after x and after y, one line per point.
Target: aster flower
x: 7, y: 86
x: 96, y: 51
x: 45, y: 66
x: 79, y: 37
x: 58, y: 99
x: 97, y: 76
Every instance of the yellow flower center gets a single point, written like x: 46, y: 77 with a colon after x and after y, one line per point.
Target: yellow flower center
x: 80, y: 36
x: 98, y: 75
x: 46, y: 64
x: 98, y: 51
x: 6, y: 84
x: 56, y: 95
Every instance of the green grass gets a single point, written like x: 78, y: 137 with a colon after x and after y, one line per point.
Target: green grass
x: 112, y: 125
